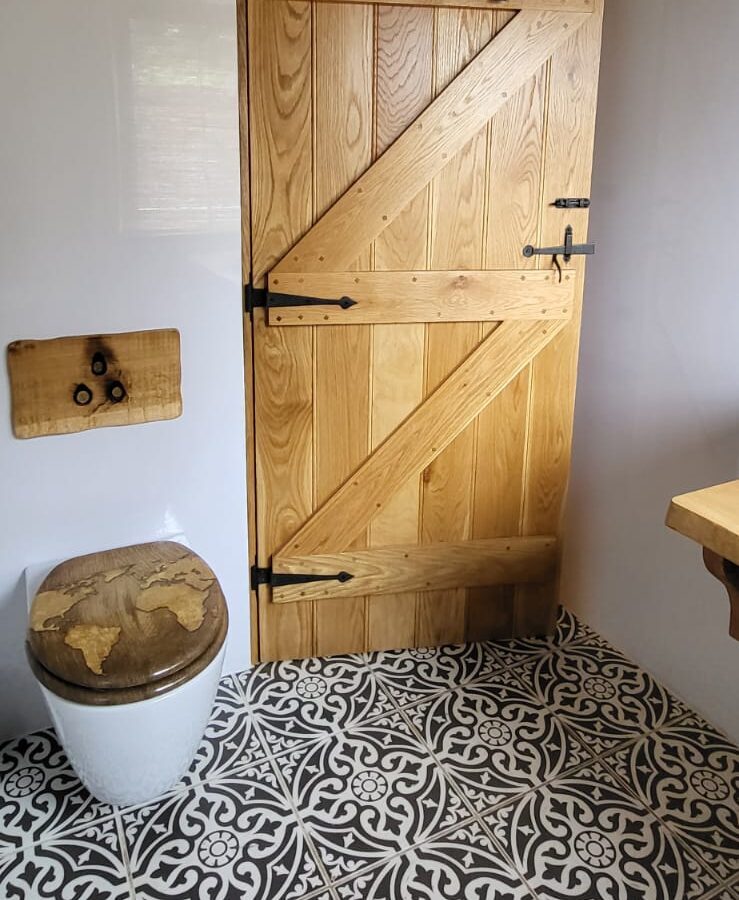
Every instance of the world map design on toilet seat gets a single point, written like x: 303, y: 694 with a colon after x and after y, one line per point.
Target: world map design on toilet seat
x: 180, y: 586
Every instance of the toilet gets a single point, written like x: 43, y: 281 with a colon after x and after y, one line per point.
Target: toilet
x: 127, y: 646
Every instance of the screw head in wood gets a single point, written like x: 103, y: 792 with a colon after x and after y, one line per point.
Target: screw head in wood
x: 116, y: 392
x: 82, y: 395
x: 99, y: 365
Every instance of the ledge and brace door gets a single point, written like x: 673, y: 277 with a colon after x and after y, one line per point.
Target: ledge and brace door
x: 413, y: 370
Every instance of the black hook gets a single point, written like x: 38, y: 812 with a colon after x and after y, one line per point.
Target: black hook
x: 555, y: 261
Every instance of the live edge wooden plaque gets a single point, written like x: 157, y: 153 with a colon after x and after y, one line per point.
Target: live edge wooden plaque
x: 71, y: 384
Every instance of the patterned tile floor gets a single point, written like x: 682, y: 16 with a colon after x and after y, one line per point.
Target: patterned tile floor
x: 501, y: 771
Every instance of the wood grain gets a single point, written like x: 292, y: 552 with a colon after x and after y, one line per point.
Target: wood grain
x: 501, y: 443
x: 569, y: 154
x: 516, y: 159
x: 710, y: 517
x: 443, y: 129
x: 127, y: 618
x: 342, y: 148
x: 503, y: 5
x: 455, y: 242
x: 46, y: 374
x: 422, y: 436
x: 280, y: 111
x: 403, y: 88
x: 389, y: 570
x: 117, y: 697
x: 423, y: 296
x: 346, y: 187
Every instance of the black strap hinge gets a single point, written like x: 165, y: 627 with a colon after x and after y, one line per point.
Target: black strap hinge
x: 264, y: 575
x: 256, y: 297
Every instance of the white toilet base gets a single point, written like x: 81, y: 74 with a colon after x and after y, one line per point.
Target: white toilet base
x: 133, y: 752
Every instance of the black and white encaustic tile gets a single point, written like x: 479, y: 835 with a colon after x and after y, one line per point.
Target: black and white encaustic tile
x: 515, y: 770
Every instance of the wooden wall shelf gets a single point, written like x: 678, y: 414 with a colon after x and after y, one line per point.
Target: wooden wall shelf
x: 711, y: 518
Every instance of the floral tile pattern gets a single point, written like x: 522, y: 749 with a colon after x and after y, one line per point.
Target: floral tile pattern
x: 40, y: 795
x: 605, y: 697
x: 229, y: 839
x: 301, y: 700
x: 230, y: 740
x: 569, y: 629
x: 83, y: 865
x: 585, y: 837
x: 515, y: 770
x: 410, y: 675
x: 368, y: 793
x: 496, y: 739
x: 688, y: 774
x: 464, y: 864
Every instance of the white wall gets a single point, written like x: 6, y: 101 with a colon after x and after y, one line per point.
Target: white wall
x: 119, y: 211
x: 658, y: 397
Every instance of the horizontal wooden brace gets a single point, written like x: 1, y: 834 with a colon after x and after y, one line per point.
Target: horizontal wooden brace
x: 391, y: 570
x: 444, y: 296
x: 508, y: 5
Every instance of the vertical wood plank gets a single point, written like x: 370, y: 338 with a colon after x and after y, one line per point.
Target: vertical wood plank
x: 569, y: 154
x: 403, y: 73
x: 279, y: 40
x: 280, y: 116
x: 513, y: 220
x: 342, y: 140
x: 251, y: 497
x: 457, y: 229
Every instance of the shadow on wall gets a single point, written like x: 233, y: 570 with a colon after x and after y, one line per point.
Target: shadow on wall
x: 27, y: 708
x: 616, y: 519
x: 640, y: 584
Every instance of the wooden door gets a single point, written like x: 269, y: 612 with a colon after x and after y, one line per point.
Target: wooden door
x: 413, y: 371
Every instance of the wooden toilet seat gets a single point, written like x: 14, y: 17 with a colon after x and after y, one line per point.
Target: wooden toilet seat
x: 126, y: 624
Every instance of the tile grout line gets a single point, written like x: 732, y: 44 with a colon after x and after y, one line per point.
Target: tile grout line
x: 476, y: 816
x: 307, y: 837
x: 594, y: 759
x: 405, y: 710
x: 124, y: 853
x: 363, y: 658
x: 681, y: 839
x: 347, y: 879
x: 57, y: 836
x: 602, y: 758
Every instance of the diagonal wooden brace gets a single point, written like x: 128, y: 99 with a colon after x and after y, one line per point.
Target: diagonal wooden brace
x: 422, y: 436
x: 464, y: 107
